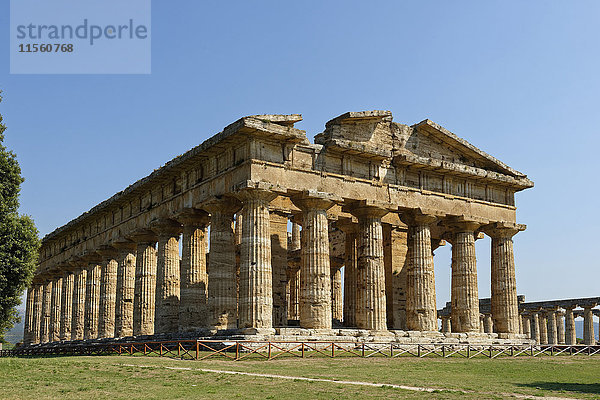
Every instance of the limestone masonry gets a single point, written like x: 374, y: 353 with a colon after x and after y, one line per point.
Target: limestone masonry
x: 367, y: 205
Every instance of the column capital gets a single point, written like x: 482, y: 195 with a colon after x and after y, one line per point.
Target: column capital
x: 457, y: 224
x: 224, y: 204
x: 107, y: 252
x: 255, y: 193
x: 193, y: 216
x: 366, y: 208
x: 503, y: 229
x: 145, y: 236
x: 418, y: 217
x: 313, y: 200
x: 166, y: 227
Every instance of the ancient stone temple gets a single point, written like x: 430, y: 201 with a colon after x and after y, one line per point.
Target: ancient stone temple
x: 259, y: 232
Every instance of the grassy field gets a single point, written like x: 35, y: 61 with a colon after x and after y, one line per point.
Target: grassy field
x: 125, y: 377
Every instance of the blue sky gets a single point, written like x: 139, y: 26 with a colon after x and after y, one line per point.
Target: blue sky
x: 517, y: 79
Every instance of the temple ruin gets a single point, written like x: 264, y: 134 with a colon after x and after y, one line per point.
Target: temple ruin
x: 259, y: 233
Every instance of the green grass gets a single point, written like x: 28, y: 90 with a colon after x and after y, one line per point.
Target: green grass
x: 124, y: 378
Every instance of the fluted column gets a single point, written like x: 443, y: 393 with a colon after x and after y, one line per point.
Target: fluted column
x: 145, y: 282
x: 193, y: 300
x: 79, y: 289
x: 315, y: 274
x: 552, y: 329
x: 488, y: 324
x: 222, y: 296
x: 256, y: 291
x: 167, y: 276
x: 337, y: 308
x: 108, y: 292
x: 560, y: 326
x: 526, y: 325
x: 481, y: 328
x: 543, y: 323
x: 46, y: 311
x: 125, y: 287
x: 92, y: 297
x: 350, y: 270
x: 588, y: 326
x: 294, y: 276
x: 464, y: 292
x: 535, y: 327
x: 28, y: 328
x: 66, y: 315
x: 371, y: 302
x: 446, y: 325
x: 38, y: 295
x: 570, y: 334
x: 57, y: 283
x: 278, y: 223
x: 420, y: 288
x: 505, y: 307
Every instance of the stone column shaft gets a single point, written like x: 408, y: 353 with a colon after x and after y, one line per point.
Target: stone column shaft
x: 108, y: 295
x: 193, y: 301
x: 222, y: 274
x: 526, y: 325
x: 28, y: 329
x: 256, y: 290
x: 145, y: 286
x: 92, y: 300
x: 167, y: 277
x: 67, y: 305
x: 560, y: 327
x: 278, y: 224
x: 488, y: 324
x: 570, y: 334
x: 125, y: 289
x: 465, y: 297
x: 46, y: 312
x: 350, y: 271
x: 337, y: 294
x: 535, y: 327
x: 543, y: 323
x: 588, y: 327
x: 38, y: 295
x: 552, y: 329
x: 294, y: 276
x: 446, y: 325
x: 79, y: 295
x: 57, y: 284
x: 421, y: 312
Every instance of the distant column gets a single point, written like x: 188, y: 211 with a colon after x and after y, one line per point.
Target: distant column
x: 67, y: 305
x: 38, y: 295
x: 526, y: 325
x: 79, y: 289
x: 543, y: 319
x: 446, y: 325
x: 222, y: 276
x: 294, y: 276
x: 350, y: 270
x: 278, y: 223
x: 315, y: 274
x: 421, y: 312
x: 256, y: 289
x: 193, y: 302
x: 92, y: 297
x: 488, y: 323
x: 481, y: 322
x: 535, y: 327
x: 570, y: 334
x: 145, y: 282
x: 167, y: 276
x: 46, y: 311
x: 552, y: 329
x: 560, y: 326
x: 337, y: 308
x: 505, y: 306
x: 125, y: 287
x: 57, y: 284
x: 108, y: 292
x: 588, y: 327
x: 28, y: 329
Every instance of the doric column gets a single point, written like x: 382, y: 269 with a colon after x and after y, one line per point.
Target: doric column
x: 488, y: 324
x: 337, y: 310
x: 505, y: 307
x: 193, y: 298
x: 278, y: 223
x: 108, y: 292
x: 46, y: 311
x: 79, y: 289
x: 526, y: 324
x: 167, y: 276
x: 29, y: 313
x: 222, y: 296
x: 588, y: 326
x: 145, y: 282
x: 481, y: 322
x: 464, y: 293
x: 420, y: 287
x: 570, y: 334
x: 350, y: 229
x: 552, y: 329
x: 125, y: 287
x: 92, y: 296
x: 294, y: 275
x: 57, y: 283
x: 560, y: 326
x: 535, y: 327
x: 66, y: 315
x: 446, y: 324
x: 38, y: 295
x: 371, y: 304
x: 543, y: 323
x: 315, y: 289
x: 256, y: 291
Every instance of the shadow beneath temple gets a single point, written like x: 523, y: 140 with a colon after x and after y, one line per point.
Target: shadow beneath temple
x: 591, y: 388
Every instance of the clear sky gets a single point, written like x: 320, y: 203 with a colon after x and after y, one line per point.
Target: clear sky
x: 520, y: 80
